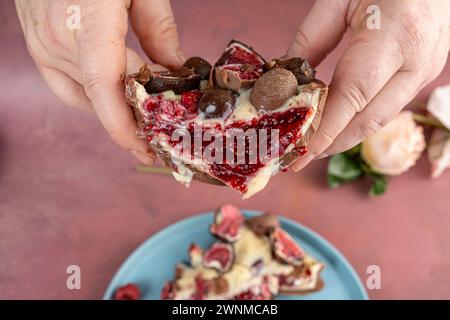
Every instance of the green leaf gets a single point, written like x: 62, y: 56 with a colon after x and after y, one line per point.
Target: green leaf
x: 379, y: 185
x: 344, y: 167
x: 366, y: 169
x: 334, y: 182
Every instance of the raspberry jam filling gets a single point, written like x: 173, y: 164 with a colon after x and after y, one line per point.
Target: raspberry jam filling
x: 238, y: 55
x: 164, y: 117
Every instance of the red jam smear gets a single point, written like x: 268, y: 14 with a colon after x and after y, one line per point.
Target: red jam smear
x: 166, y: 116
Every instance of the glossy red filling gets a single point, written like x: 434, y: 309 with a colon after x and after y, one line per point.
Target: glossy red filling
x: 245, y: 73
x: 164, y: 117
x: 238, y: 55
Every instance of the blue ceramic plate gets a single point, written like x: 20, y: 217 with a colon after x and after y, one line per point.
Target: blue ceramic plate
x: 153, y: 262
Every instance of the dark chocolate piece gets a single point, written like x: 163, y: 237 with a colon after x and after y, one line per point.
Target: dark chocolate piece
x: 199, y: 65
x: 237, y: 68
x: 299, y: 67
x: 181, y: 80
x: 264, y: 224
x: 217, y: 103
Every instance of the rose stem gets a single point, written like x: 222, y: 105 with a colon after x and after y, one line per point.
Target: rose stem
x: 427, y: 121
x: 155, y: 170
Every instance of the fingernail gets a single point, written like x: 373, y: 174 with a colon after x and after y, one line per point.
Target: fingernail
x: 144, y: 158
x: 302, y: 162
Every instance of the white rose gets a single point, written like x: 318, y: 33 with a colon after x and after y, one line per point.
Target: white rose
x: 396, y: 147
x: 439, y: 146
x: 439, y: 152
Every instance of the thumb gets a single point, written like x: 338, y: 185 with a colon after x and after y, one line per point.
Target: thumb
x: 154, y: 24
x: 321, y: 31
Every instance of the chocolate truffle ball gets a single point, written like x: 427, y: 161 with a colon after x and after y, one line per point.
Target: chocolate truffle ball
x: 273, y: 88
x: 199, y: 65
x: 217, y: 103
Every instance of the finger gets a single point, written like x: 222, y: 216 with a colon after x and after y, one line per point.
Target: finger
x: 102, y: 60
x: 361, y: 73
x: 135, y: 62
x: 154, y: 24
x: 397, y: 93
x: 66, y: 89
x: 321, y: 31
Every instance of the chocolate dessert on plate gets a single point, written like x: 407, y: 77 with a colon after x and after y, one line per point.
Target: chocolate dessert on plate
x: 253, y: 259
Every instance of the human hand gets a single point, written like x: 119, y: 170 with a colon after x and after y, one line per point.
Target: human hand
x: 381, y: 70
x: 84, y: 67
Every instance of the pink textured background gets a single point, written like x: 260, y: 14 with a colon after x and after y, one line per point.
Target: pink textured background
x: 68, y: 195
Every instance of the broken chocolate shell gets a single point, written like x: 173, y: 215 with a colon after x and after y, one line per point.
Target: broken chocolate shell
x: 181, y: 80
x: 219, y: 256
x: 273, y: 89
x: 217, y: 103
x: 238, y: 52
x: 237, y: 68
x: 285, y: 248
x: 227, y: 223
x: 264, y: 224
x: 236, y: 77
x: 301, y: 69
x: 199, y: 65
x: 302, y: 145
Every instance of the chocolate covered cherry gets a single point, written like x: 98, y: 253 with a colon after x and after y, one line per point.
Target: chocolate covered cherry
x: 199, y: 65
x: 273, y: 88
x: 217, y: 103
